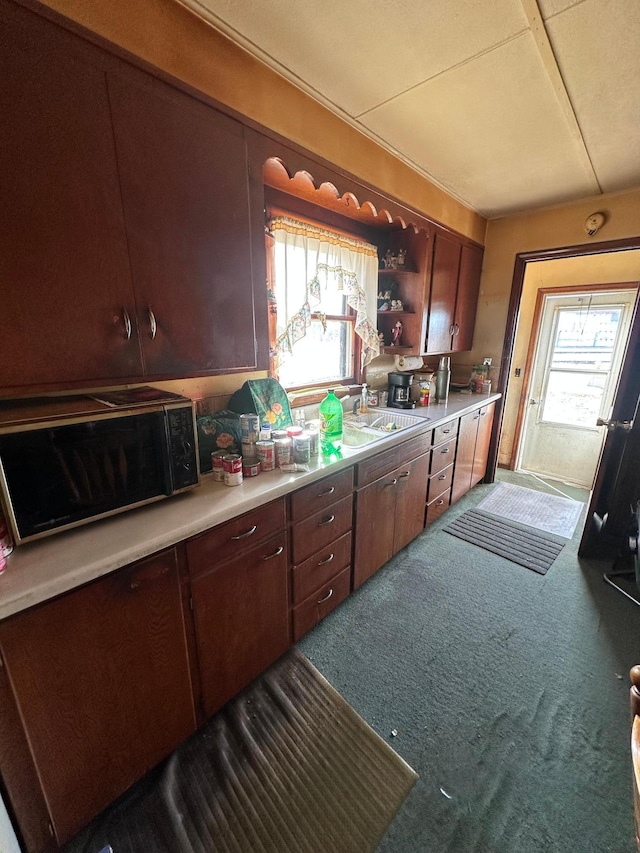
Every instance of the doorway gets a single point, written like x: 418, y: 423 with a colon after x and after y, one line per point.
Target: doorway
x: 575, y: 359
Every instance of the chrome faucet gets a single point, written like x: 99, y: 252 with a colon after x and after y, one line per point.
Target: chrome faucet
x: 356, y: 406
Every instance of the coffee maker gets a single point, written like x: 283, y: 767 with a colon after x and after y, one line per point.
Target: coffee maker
x: 400, y: 391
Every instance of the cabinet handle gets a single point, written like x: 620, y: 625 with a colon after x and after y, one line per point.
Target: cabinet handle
x: 392, y: 483
x: 451, y: 332
x: 127, y: 323
x: 276, y: 553
x: 440, y: 502
x: 442, y: 477
x: 153, y: 324
x: 329, y: 491
x: 326, y: 560
x: 326, y: 597
x: 327, y: 521
x: 136, y: 583
x: 446, y: 431
x: 445, y: 450
x: 405, y: 475
x: 475, y: 417
x: 456, y: 329
x: 248, y: 533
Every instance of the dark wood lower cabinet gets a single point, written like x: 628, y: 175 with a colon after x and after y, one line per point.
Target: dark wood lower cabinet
x: 473, y: 448
x: 389, y: 514
x: 241, y: 611
x: 100, y: 682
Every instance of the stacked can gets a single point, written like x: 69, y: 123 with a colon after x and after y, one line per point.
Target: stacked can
x: 217, y: 466
x: 283, y: 447
x: 250, y: 431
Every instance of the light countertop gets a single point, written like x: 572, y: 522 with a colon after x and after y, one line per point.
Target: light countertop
x: 38, y: 571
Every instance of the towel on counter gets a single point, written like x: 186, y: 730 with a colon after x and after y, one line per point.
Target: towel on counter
x: 218, y: 432
x: 267, y: 398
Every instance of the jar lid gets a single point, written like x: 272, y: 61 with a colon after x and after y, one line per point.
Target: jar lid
x: 294, y: 430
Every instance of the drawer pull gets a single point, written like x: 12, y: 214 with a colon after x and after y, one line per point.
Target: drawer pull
x: 405, y: 475
x: 276, y: 553
x: 326, y: 560
x: 248, y: 533
x: 329, y: 491
x: 392, y: 483
x: 447, y: 431
x: 440, y: 502
x: 327, y: 521
x: 445, y: 450
x: 442, y: 477
x: 475, y: 417
x: 326, y: 597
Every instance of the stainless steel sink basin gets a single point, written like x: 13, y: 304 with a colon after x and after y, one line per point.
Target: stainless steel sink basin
x: 372, y: 426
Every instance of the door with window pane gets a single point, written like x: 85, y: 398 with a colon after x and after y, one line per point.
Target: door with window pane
x: 576, y: 365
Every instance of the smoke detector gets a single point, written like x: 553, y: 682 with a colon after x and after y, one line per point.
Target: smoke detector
x: 594, y: 223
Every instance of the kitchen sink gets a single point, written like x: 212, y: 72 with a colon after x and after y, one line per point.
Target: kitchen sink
x: 372, y: 426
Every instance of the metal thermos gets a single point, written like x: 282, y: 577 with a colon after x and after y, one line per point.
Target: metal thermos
x: 443, y: 376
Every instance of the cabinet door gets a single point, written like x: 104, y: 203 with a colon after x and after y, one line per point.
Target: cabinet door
x: 442, y: 298
x: 465, y: 453
x: 185, y: 189
x: 65, y: 283
x: 411, y: 501
x: 467, y: 298
x: 241, y: 611
x: 375, y: 524
x: 481, y: 454
x: 101, y: 681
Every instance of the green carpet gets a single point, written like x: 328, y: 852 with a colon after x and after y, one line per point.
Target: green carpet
x: 508, y: 691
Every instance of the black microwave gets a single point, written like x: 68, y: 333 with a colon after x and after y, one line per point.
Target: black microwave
x: 66, y: 461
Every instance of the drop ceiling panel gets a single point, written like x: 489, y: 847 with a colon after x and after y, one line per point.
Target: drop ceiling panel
x: 359, y: 54
x: 597, y: 45
x: 491, y: 130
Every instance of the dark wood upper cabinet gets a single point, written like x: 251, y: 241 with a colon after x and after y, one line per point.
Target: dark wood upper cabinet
x: 453, y: 296
x: 185, y: 190
x: 65, y: 284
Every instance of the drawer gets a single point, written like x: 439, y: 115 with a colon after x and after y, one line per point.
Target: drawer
x: 228, y: 540
x: 321, y: 567
x: 320, y: 604
x: 382, y: 463
x: 314, y: 533
x: 443, y: 455
x: 436, y: 507
x: 439, y: 483
x: 445, y: 432
x: 319, y: 495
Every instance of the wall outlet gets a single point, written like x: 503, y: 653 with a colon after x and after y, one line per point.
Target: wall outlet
x: 487, y: 361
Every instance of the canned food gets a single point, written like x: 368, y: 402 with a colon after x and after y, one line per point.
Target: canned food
x: 216, y: 464
x: 250, y: 467
x: 232, y: 469
x: 284, y: 450
x: 265, y: 432
x: 249, y: 450
x: 266, y: 455
x: 249, y: 428
x: 314, y: 439
x: 301, y: 448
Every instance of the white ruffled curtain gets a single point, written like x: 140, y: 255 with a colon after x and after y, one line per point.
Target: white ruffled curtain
x: 313, y: 263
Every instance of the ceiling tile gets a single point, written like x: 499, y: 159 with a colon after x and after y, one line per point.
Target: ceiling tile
x: 597, y: 44
x: 491, y: 131
x: 359, y: 54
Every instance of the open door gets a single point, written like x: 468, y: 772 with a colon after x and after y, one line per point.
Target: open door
x: 617, y: 485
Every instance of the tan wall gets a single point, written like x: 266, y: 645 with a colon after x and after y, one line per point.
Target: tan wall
x: 554, y: 227
x: 174, y: 39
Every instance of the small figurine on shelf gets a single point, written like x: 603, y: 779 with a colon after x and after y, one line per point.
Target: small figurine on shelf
x: 396, y: 305
x: 396, y: 334
x: 381, y: 338
x: 390, y: 260
x: 402, y: 256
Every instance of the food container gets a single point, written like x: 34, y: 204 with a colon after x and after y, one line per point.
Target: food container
x: 284, y: 450
x: 249, y: 428
x: 265, y: 432
x: 314, y: 439
x: 301, y: 448
x: 266, y: 455
x: 232, y: 464
x: 216, y: 464
x: 250, y: 467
